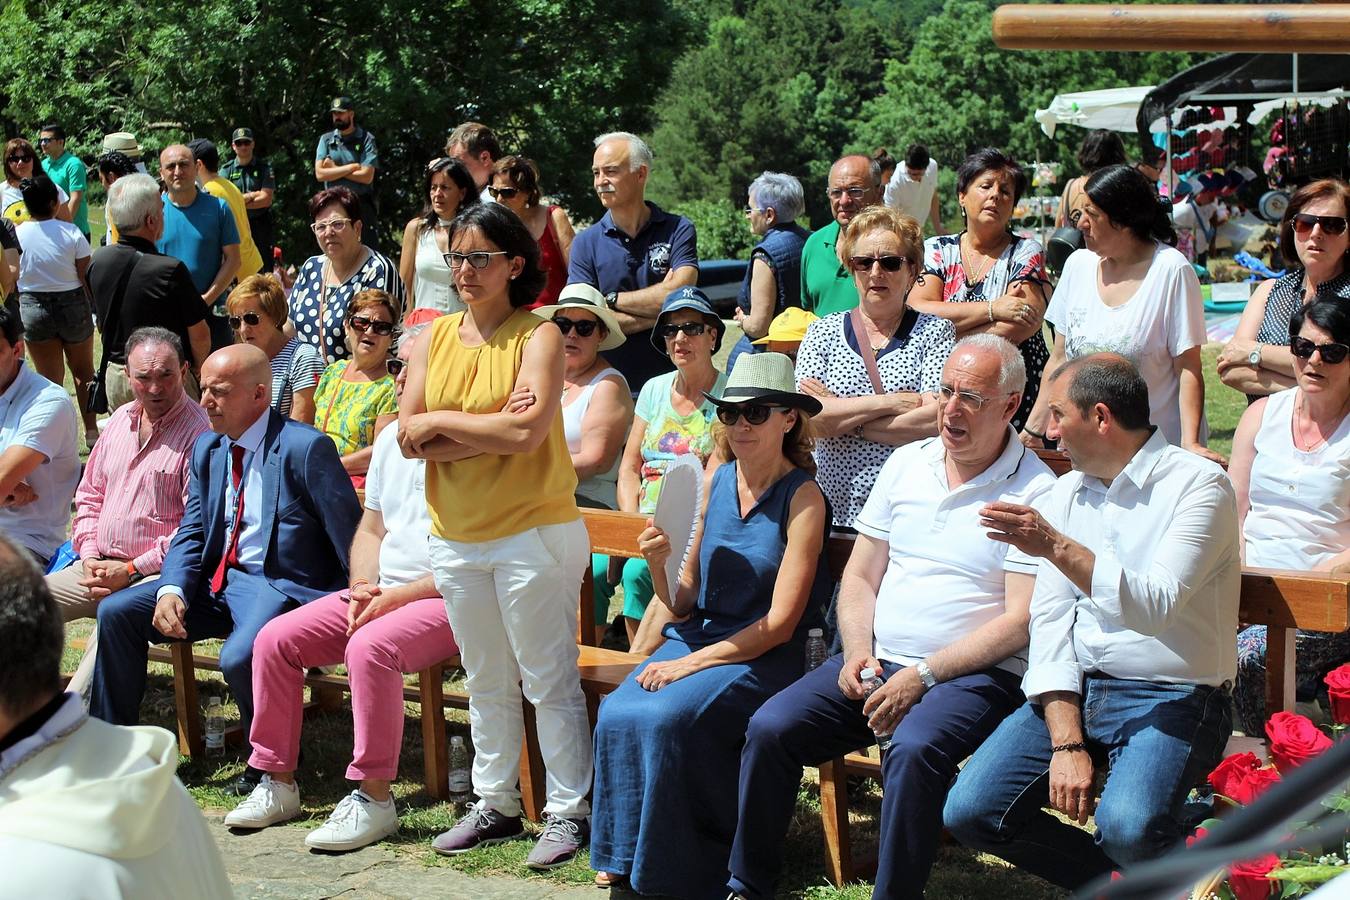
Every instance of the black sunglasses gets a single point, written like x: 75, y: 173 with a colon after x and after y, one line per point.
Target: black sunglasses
x: 246, y: 318
x: 755, y: 413
x: 498, y: 193
x: 668, y: 331
x: 362, y: 323
x: 584, y: 327
x: 394, y: 365
x: 1304, y: 222
x: 20, y: 157
x: 1332, y: 354
x: 865, y: 263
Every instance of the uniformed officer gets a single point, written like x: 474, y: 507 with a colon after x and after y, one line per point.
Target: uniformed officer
x: 347, y: 156
x: 253, y: 176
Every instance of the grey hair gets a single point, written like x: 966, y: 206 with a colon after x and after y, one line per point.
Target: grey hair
x: 410, y: 334
x: 153, y: 334
x: 1012, y: 371
x: 130, y: 199
x: 639, y: 154
x: 779, y: 192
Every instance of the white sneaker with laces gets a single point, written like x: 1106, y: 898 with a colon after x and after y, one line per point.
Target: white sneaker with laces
x: 356, y: 822
x: 271, y: 802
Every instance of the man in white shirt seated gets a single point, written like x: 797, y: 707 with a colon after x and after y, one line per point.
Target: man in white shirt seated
x: 931, y: 603
x: 1132, y: 651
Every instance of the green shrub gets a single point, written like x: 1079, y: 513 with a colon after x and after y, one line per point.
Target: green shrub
x: 723, y: 231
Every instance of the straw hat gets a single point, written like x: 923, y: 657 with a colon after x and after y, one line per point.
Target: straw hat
x: 765, y: 378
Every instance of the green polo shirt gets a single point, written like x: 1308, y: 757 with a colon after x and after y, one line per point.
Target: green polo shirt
x: 827, y: 286
x: 68, y: 174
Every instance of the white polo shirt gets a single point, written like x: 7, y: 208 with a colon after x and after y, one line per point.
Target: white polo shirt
x: 944, y: 577
x: 909, y: 196
x: 1165, y: 585
x: 39, y: 415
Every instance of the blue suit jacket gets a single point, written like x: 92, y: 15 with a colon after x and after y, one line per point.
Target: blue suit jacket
x: 310, y: 513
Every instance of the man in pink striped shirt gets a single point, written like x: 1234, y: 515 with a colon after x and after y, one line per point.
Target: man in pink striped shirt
x: 135, y: 484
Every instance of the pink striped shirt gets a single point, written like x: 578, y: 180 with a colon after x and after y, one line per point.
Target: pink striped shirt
x: 131, y: 498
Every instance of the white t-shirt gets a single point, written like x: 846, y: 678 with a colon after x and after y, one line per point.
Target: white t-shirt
x: 12, y: 205
x: 50, y: 249
x: 945, y: 576
x: 407, y: 519
x: 39, y: 415
x: 1164, y: 318
x: 912, y: 197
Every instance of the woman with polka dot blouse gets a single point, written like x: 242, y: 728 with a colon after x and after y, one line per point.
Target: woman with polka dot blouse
x: 327, y: 283
x: 860, y: 422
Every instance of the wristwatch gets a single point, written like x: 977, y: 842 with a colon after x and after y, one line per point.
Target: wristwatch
x: 1255, y: 356
x: 925, y: 675
x: 133, y: 575
x: 612, y: 300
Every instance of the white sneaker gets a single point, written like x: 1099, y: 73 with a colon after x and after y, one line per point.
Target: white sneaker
x: 271, y: 802
x: 356, y: 822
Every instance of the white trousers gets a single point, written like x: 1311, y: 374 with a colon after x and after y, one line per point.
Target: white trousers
x: 512, y: 604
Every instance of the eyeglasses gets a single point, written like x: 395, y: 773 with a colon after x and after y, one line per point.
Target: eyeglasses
x: 865, y: 263
x: 1332, y: 354
x: 364, y: 323
x: 751, y: 210
x: 669, y: 331
x: 755, y: 413
x: 336, y: 226
x: 393, y: 366
x: 503, y: 193
x: 44, y: 141
x: 853, y: 193
x: 479, y: 259
x: 1304, y: 222
x: 245, y: 319
x: 584, y: 327
x: 19, y: 157
x: 966, y: 399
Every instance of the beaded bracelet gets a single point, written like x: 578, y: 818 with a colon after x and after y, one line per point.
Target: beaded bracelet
x: 1066, y: 748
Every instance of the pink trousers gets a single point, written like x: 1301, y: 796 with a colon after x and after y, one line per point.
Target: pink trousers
x: 408, y: 639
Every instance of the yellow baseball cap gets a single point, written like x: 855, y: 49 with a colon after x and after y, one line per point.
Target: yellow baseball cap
x: 789, y: 325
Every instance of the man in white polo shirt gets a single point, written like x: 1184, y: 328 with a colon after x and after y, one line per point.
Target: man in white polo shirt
x: 1132, y: 641
x: 933, y: 604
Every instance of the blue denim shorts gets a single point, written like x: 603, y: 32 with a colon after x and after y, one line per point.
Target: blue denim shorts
x: 66, y: 316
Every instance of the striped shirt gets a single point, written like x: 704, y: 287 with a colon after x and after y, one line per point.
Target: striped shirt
x: 296, y: 368
x: 131, y: 498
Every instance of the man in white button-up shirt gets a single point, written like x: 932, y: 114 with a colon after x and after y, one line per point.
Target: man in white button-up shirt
x: 932, y: 603
x: 1132, y: 641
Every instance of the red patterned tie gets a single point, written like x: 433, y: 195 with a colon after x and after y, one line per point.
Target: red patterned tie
x: 230, y: 558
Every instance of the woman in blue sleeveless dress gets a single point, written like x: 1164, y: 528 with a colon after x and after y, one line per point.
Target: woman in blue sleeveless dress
x: 668, y: 741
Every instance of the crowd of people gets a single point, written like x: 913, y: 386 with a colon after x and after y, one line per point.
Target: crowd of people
x: 383, y: 465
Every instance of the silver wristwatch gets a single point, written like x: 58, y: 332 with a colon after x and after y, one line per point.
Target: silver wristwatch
x: 1255, y: 356
x: 925, y: 675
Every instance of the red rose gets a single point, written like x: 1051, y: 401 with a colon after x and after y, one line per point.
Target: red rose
x: 1294, y: 740
x: 1248, y: 880
x: 1338, y: 689
x: 1227, y: 775
x: 1199, y: 834
x: 1255, y: 784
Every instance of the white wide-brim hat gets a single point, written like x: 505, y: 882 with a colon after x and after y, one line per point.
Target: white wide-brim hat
x: 583, y: 296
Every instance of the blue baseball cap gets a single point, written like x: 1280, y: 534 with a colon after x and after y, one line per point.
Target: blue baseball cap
x: 688, y: 298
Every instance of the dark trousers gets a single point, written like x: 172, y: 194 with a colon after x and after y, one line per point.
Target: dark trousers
x: 222, y: 335
x: 811, y: 722
x: 125, y: 629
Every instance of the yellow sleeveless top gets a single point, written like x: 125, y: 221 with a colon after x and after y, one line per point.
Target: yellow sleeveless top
x: 492, y: 496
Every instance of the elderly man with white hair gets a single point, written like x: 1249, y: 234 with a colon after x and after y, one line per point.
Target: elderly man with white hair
x: 933, y: 606
x: 136, y: 286
x: 635, y: 255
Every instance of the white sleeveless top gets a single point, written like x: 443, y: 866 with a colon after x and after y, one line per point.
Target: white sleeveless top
x: 602, y: 488
x: 1300, y: 500
x: 433, y: 287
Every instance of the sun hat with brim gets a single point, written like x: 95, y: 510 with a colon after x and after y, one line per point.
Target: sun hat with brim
x: 688, y: 298
x: 789, y: 326
x: 122, y: 142
x: 585, y: 297
x: 767, y: 379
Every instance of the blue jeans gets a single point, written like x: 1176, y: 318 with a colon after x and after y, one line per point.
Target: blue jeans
x: 1157, y: 741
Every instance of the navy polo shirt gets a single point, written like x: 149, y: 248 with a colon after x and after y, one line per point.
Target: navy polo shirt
x: 609, y: 260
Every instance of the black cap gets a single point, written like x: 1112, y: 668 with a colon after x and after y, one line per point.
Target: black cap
x: 341, y: 104
x: 241, y: 134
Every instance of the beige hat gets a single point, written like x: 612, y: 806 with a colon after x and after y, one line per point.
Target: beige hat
x: 766, y: 378
x: 583, y: 296
x: 123, y: 142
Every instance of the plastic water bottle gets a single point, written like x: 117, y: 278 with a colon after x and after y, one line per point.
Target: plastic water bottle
x: 461, y: 785
x: 871, y: 680
x: 215, y: 727
x: 816, y: 651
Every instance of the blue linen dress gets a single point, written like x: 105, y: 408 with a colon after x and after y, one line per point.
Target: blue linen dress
x: 667, y: 763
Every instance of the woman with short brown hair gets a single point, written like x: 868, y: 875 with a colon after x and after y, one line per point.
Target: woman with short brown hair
x: 258, y: 313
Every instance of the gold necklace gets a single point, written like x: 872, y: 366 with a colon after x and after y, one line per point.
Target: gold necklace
x: 976, y: 278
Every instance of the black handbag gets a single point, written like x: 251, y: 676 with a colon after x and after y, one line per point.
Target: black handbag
x: 1062, y: 242
x: 97, y: 402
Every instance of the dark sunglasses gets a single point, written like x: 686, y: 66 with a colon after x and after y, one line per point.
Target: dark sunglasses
x: 585, y: 327
x: 1304, y: 222
x: 394, y: 366
x: 20, y: 157
x: 246, y: 318
x: 1332, y: 354
x: 865, y: 263
x: 499, y: 193
x: 47, y: 140
x: 755, y: 413
x: 362, y: 323
x: 690, y: 328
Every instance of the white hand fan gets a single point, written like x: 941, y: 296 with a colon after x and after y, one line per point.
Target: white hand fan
x: 678, y: 510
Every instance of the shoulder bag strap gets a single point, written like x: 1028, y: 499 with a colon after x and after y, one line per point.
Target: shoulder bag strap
x: 869, y: 357
x: 115, y: 315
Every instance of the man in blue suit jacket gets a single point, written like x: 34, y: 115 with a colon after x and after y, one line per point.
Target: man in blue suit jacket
x: 294, y: 530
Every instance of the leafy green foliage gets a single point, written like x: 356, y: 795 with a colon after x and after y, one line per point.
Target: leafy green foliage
x: 723, y: 232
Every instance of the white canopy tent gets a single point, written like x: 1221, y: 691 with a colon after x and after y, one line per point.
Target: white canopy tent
x: 1114, y: 109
